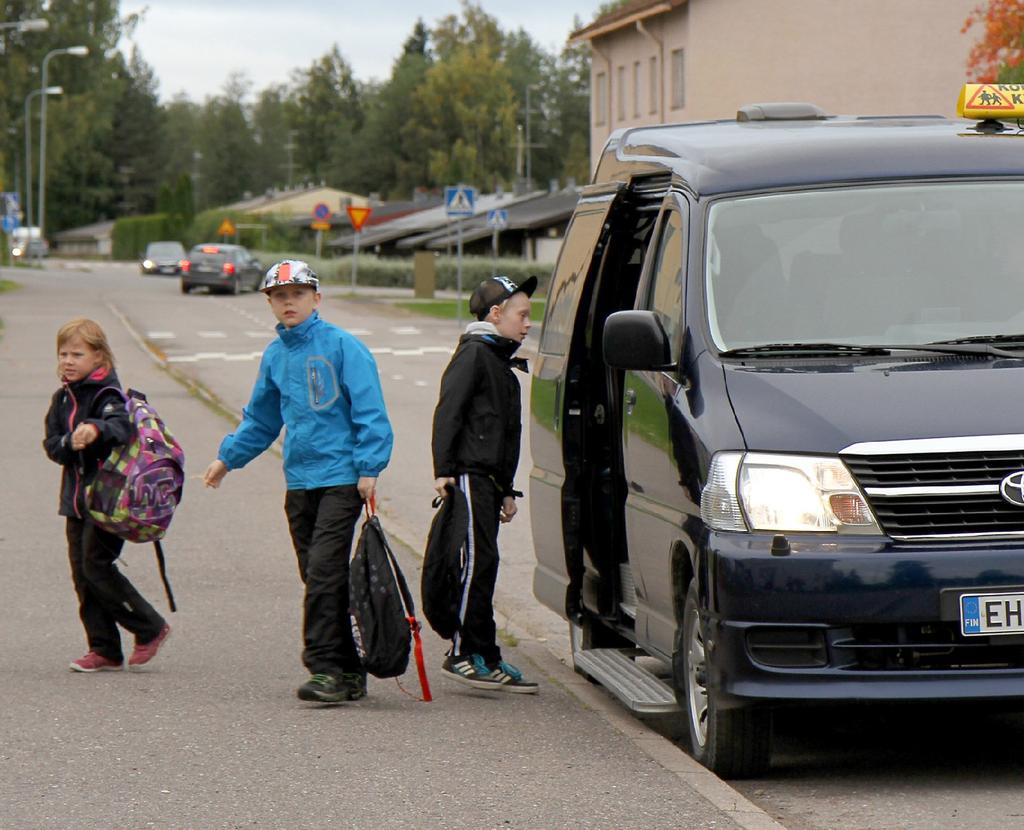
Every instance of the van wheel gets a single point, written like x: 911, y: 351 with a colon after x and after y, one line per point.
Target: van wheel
x: 732, y: 743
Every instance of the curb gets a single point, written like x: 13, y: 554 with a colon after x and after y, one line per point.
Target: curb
x: 661, y: 750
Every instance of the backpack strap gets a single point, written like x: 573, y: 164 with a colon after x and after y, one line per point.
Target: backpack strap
x: 163, y: 574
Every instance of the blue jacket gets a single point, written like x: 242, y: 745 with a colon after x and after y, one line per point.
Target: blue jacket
x: 322, y: 384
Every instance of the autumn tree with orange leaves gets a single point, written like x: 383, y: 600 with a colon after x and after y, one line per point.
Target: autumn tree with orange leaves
x: 999, y: 54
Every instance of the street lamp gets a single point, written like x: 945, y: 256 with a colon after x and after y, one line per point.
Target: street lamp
x: 35, y: 24
x: 79, y: 52
x: 50, y: 90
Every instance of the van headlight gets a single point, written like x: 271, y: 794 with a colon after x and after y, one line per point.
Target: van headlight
x: 784, y: 493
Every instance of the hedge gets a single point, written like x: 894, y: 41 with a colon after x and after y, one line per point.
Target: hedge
x: 131, y: 234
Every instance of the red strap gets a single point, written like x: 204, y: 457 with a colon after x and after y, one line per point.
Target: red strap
x: 414, y: 626
x: 371, y: 506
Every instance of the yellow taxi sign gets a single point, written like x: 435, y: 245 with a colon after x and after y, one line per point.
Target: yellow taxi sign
x: 227, y: 228
x: 1004, y: 101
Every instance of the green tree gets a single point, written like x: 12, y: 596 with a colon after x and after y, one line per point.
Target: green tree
x: 227, y: 146
x: 138, y: 147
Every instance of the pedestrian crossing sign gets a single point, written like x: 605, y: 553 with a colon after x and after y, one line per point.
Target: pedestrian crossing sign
x: 460, y: 200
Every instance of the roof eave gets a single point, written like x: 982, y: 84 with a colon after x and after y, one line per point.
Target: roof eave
x: 597, y: 28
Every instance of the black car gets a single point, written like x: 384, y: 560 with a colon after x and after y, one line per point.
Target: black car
x: 162, y: 258
x: 224, y: 269
x: 775, y: 420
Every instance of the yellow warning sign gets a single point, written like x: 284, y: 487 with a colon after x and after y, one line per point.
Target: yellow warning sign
x: 991, y: 101
x: 227, y: 228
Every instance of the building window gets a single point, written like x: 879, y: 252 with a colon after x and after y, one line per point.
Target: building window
x: 655, y: 85
x: 678, y: 80
x: 636, y: 89
x: 620, y: 110
x: 600, y: 98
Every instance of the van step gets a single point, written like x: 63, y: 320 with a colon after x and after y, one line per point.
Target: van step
x: 634, y: 685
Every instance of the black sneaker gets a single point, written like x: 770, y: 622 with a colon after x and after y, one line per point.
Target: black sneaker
x: 353, y: 684
x: 322, y: 688
x: 473, y: 671
x: 511, y: 679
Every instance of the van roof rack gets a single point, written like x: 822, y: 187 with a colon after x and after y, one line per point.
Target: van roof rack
x: 781, y: 111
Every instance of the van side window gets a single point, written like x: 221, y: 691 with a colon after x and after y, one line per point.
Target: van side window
x: 665, y: 294
x: 567, y: 283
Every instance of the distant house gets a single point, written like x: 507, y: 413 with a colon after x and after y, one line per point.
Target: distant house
x: 536, y: 224
x: 90, y: 241
x: 658, y: 61
x: 299, y: 202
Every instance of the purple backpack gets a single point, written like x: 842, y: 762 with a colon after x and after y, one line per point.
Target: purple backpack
x: 138, y: 486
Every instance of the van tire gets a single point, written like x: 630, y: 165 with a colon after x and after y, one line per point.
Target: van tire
x: 731, y: 742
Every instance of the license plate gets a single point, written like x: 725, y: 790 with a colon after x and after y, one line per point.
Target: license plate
x: 988, y: 614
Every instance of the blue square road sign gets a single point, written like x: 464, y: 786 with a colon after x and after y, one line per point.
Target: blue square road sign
x: 459, y: 200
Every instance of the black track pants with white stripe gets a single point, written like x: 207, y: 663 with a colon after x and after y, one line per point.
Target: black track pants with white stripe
x: 478, y: 633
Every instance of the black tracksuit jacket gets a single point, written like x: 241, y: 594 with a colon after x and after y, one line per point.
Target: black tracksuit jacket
x: 84, y: 402
x: 477, y: 422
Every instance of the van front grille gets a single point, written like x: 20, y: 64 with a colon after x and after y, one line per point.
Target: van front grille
x: 928, y: 495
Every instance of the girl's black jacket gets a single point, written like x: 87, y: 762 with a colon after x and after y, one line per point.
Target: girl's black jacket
x: 478, y: 421
x: 84, y: 402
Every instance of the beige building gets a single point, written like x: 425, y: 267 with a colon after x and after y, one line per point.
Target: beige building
x: 663, y: 61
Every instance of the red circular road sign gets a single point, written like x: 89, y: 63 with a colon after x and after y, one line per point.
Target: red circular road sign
x: 321, y: 211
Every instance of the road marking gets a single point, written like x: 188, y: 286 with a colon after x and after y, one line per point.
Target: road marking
x: 160, y: 335
x: 398, y: 377
x: 260, y: 334
x: 212, y: 335
x: 406, y: 330
x: 420, y: 352
x: 359, y: 332
x: 420, y: 383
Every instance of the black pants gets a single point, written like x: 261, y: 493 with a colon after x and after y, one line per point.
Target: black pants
x: 106, y: 599
x: 478, y: 633
x: 322, y: 523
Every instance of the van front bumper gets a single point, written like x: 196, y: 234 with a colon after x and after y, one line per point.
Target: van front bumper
x: 856, y: 619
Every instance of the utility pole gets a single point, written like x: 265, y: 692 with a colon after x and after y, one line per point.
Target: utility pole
x: 290, y: 147
x: 196, y: 158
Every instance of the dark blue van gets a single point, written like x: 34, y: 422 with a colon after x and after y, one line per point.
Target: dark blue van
x: 778, y: 419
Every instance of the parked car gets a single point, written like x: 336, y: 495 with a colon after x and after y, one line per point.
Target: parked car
x: 162, y: 258
x: 224, y: 269
x: 28, y: 243
x: 775, y: 423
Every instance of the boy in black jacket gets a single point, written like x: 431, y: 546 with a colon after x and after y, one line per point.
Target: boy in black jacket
x: 477, y: 427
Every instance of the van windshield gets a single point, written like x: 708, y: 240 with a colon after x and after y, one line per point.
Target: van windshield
x: 892, y: 264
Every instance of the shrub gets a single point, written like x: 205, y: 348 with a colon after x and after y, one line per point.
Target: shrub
x: 131, y: 234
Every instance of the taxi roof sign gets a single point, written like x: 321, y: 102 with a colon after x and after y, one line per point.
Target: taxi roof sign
x: 999, y: 101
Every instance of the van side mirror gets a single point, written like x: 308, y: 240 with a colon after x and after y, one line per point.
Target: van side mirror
x: 636, y: 340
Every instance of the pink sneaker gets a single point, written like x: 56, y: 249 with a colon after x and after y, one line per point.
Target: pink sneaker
x: 95, y: 662
x: 144, y: 652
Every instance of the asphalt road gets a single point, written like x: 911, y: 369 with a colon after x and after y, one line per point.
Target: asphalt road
x: 211, y: 735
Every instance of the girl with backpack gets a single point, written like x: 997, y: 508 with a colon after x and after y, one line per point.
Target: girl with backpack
x: 86, y: 420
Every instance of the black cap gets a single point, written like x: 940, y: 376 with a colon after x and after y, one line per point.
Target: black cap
x: 495, y: 290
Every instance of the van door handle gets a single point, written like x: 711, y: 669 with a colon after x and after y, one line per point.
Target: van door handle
x: 630, y: 400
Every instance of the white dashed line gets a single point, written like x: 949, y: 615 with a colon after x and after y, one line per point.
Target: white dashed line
x: 359, y: 332
x: 398, y: 377
x: 406, y: 330
x: 212, y: 335
x: 419, y: 383
x: 261, y: 334
x: 160, y: 335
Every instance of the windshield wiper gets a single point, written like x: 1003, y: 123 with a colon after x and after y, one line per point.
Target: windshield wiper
x: 979, y: 349
x: 982, y: 338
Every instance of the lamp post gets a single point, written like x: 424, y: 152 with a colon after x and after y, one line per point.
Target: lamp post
x: 77, y: 51
x: 50, y: 90
x: 35, y: 24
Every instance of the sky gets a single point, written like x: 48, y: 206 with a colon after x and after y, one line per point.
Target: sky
x: 193, y: 45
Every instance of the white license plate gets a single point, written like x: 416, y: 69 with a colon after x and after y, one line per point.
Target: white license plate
x: 988, y: 614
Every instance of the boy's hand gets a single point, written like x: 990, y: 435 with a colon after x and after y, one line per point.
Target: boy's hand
x: 508, y: 509
x: 215, y: 473
x: 440, y: 483
x: 367, y: 487
x: 84, y: 435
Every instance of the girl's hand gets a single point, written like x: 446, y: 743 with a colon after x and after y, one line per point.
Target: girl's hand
x: 508, y: 509
x: 439, y: 485
x: 215, y: 473
x: 84, y: 435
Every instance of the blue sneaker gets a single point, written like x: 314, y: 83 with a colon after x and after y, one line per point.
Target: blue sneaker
x: 474, y: 671
x: 511, y: 679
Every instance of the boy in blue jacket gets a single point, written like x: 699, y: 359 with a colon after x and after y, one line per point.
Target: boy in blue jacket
x: 322, y: 384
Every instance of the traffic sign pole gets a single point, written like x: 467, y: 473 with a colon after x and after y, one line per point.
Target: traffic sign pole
x: 458, y: 277
x: 355, y: 258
